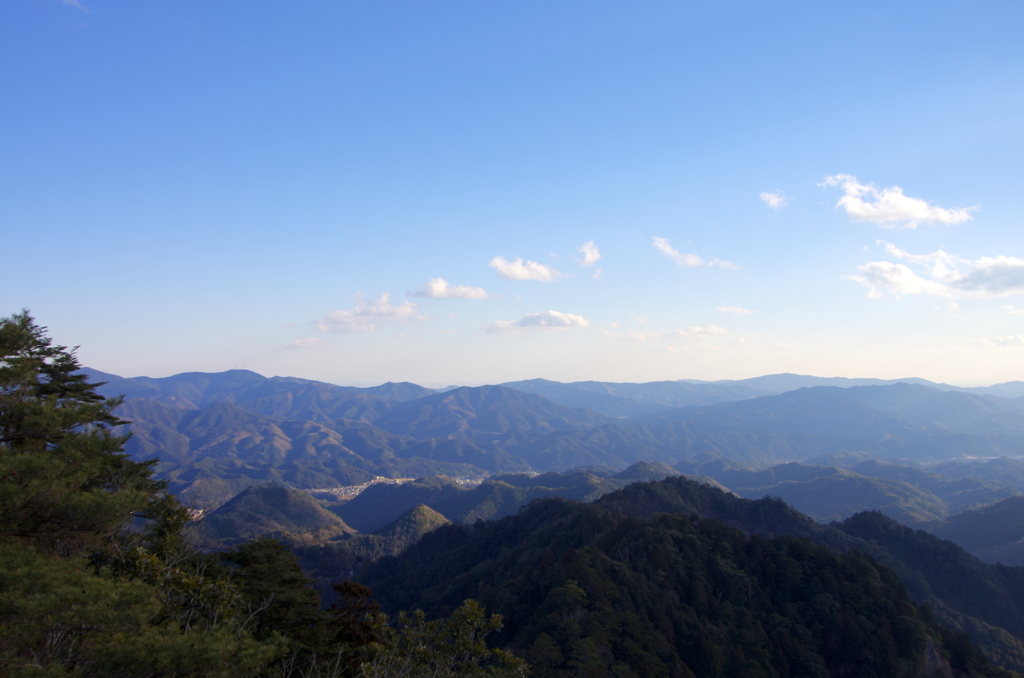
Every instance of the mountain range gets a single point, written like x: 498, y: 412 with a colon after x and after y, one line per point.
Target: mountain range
x: 216, y: 434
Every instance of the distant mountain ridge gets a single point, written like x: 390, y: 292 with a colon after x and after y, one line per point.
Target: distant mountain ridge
x: 219, y: 433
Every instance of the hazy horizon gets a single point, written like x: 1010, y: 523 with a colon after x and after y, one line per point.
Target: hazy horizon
x: 481, y: 193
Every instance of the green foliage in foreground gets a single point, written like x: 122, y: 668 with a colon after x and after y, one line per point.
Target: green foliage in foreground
x: 97, y: 577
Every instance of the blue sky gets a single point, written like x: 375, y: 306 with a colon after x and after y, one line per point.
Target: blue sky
x: 477, y: 192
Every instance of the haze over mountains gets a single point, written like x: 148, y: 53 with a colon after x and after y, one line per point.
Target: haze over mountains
x: 218, y: 433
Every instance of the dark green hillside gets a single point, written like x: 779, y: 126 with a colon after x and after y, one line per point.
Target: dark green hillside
x: 993, y: 533
x: 956, y: 584
x: 587, y: 590
x: 272, y: 511
x: 985, y: 601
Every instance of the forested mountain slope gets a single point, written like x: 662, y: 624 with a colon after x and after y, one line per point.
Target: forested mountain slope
x: 593, y: 589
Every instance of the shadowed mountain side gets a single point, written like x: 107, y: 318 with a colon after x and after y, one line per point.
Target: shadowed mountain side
x: 484, y: 414
x: 984, y: 601
x: 960, y: 588
x: 993, y: 533
x: 271, y: 511
x: 633, y: 400
x: 671, y: 594
x: 213, y: 453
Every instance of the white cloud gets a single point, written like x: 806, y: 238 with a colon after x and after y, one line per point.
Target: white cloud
x: 688, y: 333
x: 438, y: 288
x: 735, y: 310
x: 1003, y: 342
x: 539, y: 321
x: 691, y: 260
x: 948, y: 275
x: 366, y: 317
x: 952, y: 308
x: 517, y: 270
x: 638, y: 319
x: 308, y: 343
x: 694, y: 332
x: 1014, y: 311
x: 75, y: 4
x: 775, y: 199
x: 590, y: 254
x: 890, y: 208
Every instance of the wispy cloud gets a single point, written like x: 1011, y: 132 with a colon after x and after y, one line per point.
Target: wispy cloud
x: 75, y: 4
x: 438, y: 288
x: 774, y: 199
x: 310, y: 342
x: 690, y: 260
x: 590, y: 254
x: 688, y: 333
x: 889, y: 207
x: 518, y: 270
x: 735, y: 310
x: 367, y: 316
x: 942, y: 275
x: 548, y: 320
x: 1002, y: 342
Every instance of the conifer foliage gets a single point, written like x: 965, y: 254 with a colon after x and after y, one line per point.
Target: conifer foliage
x: 99, y: 578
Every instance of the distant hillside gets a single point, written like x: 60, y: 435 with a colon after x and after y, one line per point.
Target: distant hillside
x: 484, y: 414
x: 892, y: 422
x: 211, y: 454
x: 401, y: 392
x: 906, y: 494
x: 1002, y: 470
x: 780, y: 383
x: 272, y: 511
x: 993, y: 533
x: 633, y: 400
x: 496, y: 497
